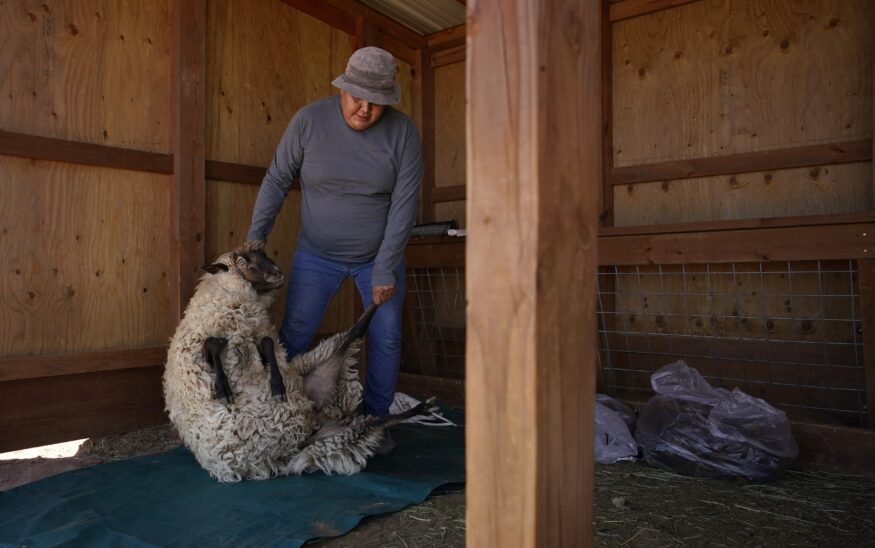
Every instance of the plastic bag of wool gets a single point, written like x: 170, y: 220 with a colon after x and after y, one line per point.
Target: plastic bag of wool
x: 693, y: 429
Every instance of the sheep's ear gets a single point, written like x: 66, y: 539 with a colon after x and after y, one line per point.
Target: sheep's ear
x: 215, y: 268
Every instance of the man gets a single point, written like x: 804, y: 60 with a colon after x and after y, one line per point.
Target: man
x: 360, y: 165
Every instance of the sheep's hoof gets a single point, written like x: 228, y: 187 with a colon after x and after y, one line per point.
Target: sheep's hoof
x: 278, y: 392
x: 225, y: 397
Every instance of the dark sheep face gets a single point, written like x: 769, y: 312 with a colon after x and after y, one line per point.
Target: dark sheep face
x: 257, y: 268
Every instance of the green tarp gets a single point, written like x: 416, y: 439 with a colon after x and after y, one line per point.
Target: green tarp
x: 167, y: 499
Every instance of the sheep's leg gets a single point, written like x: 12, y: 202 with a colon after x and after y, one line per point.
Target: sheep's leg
x: 213, y: 347
x: 268, y: 357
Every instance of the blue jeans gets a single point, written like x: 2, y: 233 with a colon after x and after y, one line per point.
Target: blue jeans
x: 312, y: 284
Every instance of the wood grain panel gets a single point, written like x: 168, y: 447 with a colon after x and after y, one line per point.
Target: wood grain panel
x: 688, y: 81
x: 265, y: 60
x: 449, y: 96
x: 36, y: 412
x: 820, y: 190
x: 94, y: 72
x: 84, y: 260
x: 533, y: 168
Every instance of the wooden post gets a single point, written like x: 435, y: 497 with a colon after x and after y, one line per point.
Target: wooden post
x: 534, y: 131
x: 866, y: 278
x: 187, y: 186
x: 366, y: 34
x: 423, y: 84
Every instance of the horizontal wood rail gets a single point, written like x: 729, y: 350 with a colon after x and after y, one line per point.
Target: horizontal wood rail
x: 448, y: 193
x: 836, y: 241
x: 330, y: 15
x: 448, y: 56
x: 32, y: 367
x: 62, y: 150
x: 447, y: 38
x: 626, y: 9
x: 738, y: 224
x: 826, y: 238
x: 749, y: 162
x: 235, y: 173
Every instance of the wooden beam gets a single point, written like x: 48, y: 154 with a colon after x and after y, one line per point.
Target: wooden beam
x: 534, y: 169
x: 866, y: 277
x: 749, y: 162
x: 55, y: 409
x: 447, y: 38
x: 61, y: 150
x: 738, y: 224
x: 606, y: 191
x: 188, y: 137
x: 839, y: 241
x: 330, y: 15
x: 451, y: 193
x: 626, y: 9
x: 448, y: 56
x: 235, y: 173
x: 426, y: 102
x: 366, y: 34
x: 16, y: 368
x: 387, y: 25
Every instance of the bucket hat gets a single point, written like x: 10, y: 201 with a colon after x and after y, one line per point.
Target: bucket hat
x: 370, y: 75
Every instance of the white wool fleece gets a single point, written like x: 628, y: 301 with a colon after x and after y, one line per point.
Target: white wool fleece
x: 258, y: 437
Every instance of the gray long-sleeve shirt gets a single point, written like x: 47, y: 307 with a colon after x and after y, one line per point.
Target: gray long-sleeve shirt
x: 360, y: 189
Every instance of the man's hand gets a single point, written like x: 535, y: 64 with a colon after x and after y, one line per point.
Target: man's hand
x: 382, y: 293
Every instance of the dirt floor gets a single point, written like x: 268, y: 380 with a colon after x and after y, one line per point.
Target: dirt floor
x: 636, y: 506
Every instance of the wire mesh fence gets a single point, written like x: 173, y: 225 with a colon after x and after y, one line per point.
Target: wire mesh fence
x: 435, y: 330
x: 787, y: 332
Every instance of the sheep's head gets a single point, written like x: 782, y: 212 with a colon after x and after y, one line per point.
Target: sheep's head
x: 254, y: 266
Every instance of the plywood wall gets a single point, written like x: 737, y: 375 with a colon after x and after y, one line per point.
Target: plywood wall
x: 87, y: 71
x: 843, y: 188
x: 720, y: 77
x: 84, y: 257
x: 449, y: 96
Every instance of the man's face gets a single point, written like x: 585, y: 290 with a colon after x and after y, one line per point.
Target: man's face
x: 358, y: 113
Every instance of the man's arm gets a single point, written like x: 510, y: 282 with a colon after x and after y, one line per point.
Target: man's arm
x: 281, y: 172
x: 402, y: 213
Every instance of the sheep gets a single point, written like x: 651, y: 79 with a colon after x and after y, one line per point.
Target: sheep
x: 243, y: 424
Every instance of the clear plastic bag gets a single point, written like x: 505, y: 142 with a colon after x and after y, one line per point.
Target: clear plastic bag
x: 694, y: 429
x: 613, y: 437
x: 621, y: 408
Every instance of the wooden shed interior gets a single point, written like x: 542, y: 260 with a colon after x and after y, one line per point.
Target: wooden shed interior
x: 730, y: 160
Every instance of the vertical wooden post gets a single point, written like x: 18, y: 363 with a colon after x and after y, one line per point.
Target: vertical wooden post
x: 366, y: 34
x: 187, y: 186
x: 606, y: 215
x: 423, y: 88
x: 534, y: 134
x: 866, y: 279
